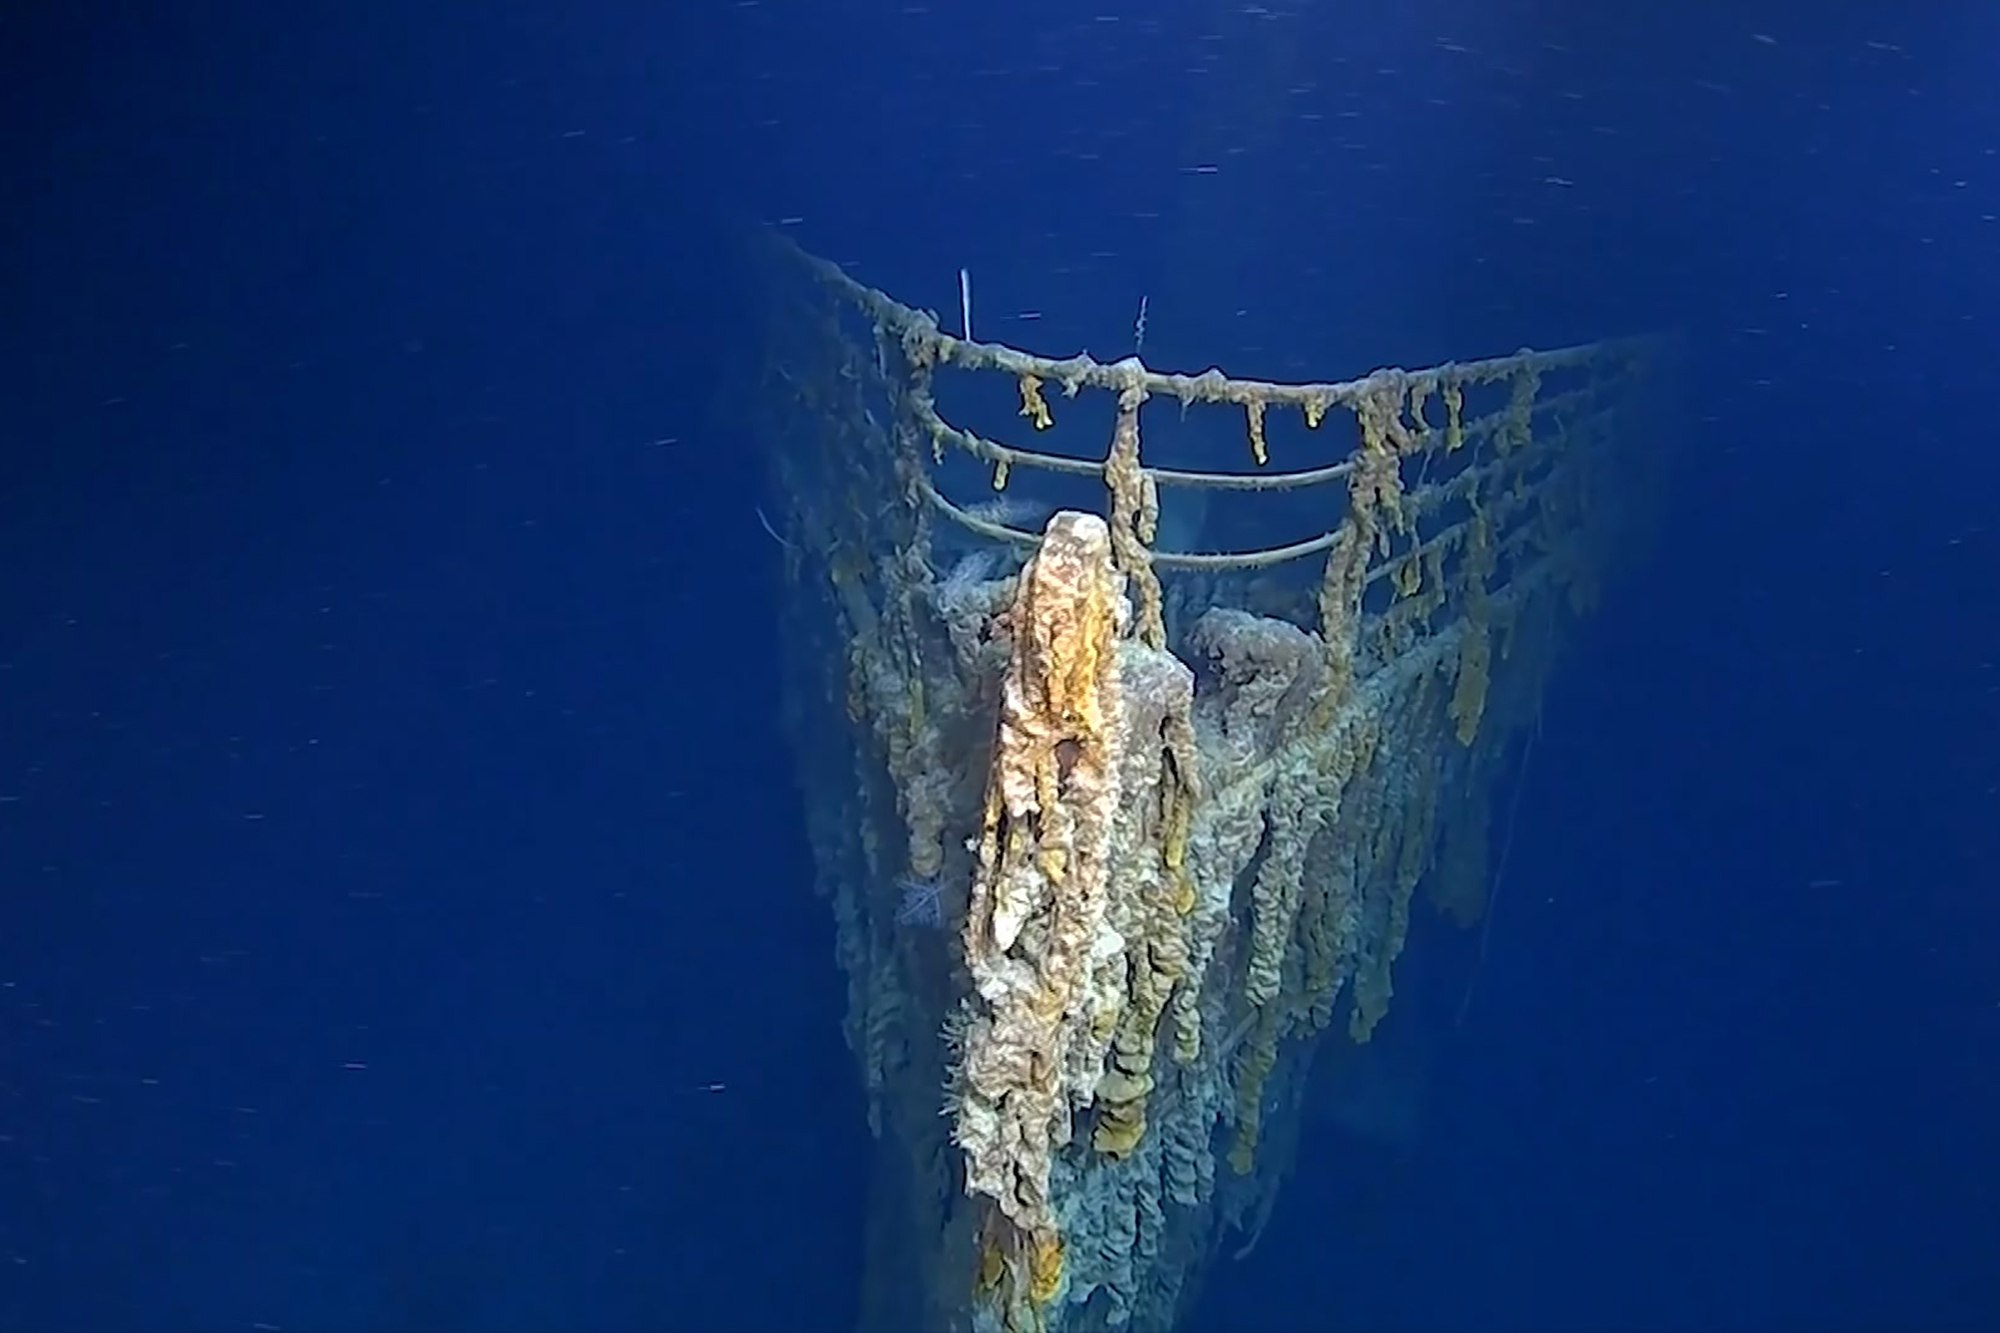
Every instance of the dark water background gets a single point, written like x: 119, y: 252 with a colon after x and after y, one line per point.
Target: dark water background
x: 395, y: 830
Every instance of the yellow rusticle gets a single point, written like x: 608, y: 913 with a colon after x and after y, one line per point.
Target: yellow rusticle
x: 1130, y: 522
x: 1157, y: 778
x: 1468, y: 695
x: 1261, y: 452
x: 1045, y: 1268
x: 1033, y: 406
x: 1517, y: 427
x: 1039, y: 890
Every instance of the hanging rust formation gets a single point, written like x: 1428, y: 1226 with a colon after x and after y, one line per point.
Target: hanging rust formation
x: 1120, y: 829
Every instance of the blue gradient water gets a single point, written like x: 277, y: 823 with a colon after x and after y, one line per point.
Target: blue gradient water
x: 408, y: 916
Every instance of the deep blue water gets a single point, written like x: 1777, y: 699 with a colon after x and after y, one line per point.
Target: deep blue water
x: 397, y: 834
